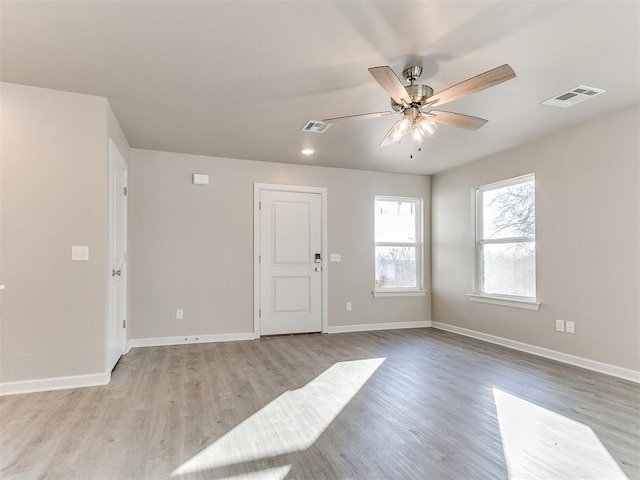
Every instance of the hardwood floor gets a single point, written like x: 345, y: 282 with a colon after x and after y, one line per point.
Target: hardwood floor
x: 404, y: 404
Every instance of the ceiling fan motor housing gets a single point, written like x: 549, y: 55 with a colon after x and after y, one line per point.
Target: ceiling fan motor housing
x: 418, y: 95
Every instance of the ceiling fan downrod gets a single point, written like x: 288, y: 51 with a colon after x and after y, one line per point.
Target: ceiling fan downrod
x: 410, y: 74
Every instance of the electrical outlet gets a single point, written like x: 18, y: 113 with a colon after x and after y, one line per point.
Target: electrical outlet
x: 559, y: 325
x: 179, y: 314
x: 348, y: 306
x: 335, y: 257
x: 570, y: 326
x: 79, y: 252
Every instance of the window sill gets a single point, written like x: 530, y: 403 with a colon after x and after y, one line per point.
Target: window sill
x: 504, y: 301
x: 399, y: 293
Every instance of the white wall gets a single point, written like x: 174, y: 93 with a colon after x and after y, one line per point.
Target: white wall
x: 54, y: 194
x: 588, y: 245
x: 192, y: 247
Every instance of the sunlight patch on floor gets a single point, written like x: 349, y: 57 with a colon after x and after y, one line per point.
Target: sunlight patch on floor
x: 290, y: 423
x: 540, y: 444
x: 277, y: 473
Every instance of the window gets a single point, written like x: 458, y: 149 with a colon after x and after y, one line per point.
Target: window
x: 505, y: 239
x: 398, y: 238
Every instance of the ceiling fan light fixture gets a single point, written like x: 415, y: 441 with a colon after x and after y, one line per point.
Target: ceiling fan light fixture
x: 416, y: 135
x: 421, y: 128
x: 425, y: 126
x: 400, y: 129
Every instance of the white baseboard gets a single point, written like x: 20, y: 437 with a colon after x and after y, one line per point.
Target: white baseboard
x: 187, y: 339
x: 57, y: 383
x: 377, y: 326
x: 620, y: 372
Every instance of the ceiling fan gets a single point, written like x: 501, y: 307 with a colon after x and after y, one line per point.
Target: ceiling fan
x: 416, y: 102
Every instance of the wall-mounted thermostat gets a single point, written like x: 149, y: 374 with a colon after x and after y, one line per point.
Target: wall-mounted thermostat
x: 200, y: 179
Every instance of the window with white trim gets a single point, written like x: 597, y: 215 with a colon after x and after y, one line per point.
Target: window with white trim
x: 506, y: 239
x: 398, y: 244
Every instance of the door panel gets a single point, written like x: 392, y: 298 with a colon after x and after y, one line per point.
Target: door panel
x: 290, y: 278
x: 291, y: 233
x: 291, y: 294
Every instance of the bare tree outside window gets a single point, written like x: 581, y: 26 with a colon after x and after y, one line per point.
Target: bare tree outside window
x: 517, y: 209
x: 395, y: 267
x: 397, y: 243
x: 506, y: 238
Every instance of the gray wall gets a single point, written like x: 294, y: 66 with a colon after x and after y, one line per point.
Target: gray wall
x: 54, y: 192
x: 192, y: 247
x: 587, y: 223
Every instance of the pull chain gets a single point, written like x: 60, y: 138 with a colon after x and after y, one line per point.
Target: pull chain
x: 419, y: 147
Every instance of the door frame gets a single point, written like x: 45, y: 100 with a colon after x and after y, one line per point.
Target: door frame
x: 257, y: 189
x: 116, y: 156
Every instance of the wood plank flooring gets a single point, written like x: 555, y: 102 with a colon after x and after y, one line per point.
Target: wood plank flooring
x: 403, y: 404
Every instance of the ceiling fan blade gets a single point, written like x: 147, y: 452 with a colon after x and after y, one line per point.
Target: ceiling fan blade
x: 358, y: 117
x: 391, y: 83
x: 397, y: 132
x: 473, y: 85
x: 456, y: 119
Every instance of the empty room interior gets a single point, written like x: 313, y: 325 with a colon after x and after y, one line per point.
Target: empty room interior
x: 319, y: 240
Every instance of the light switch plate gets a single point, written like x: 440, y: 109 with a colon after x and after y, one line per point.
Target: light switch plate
x: 335, y: 257
x: 79, y: 253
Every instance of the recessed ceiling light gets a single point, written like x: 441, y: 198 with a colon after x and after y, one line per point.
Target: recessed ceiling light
x: 307, y: 151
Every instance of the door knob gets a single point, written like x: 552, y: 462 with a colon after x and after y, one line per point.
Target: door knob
x: 116, y: 272
x: 318, y: 269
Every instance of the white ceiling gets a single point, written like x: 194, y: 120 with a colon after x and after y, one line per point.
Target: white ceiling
x: 239, y: 79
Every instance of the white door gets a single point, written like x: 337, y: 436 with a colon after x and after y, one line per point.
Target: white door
x: 290, y: 262
x: 117, y: 256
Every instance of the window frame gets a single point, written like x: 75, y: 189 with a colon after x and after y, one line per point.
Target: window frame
x: 478, y: 295
x: 418, y: 244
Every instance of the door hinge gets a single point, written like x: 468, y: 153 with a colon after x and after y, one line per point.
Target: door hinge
x: 125, y: 191
x: 259, y: 205
x: 124, y: 323
x: 259, y: 312
x: 259, y: 258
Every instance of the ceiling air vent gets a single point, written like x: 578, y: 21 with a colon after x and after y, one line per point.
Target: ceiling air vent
x: 315, y: 126
x: 575, y: 95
